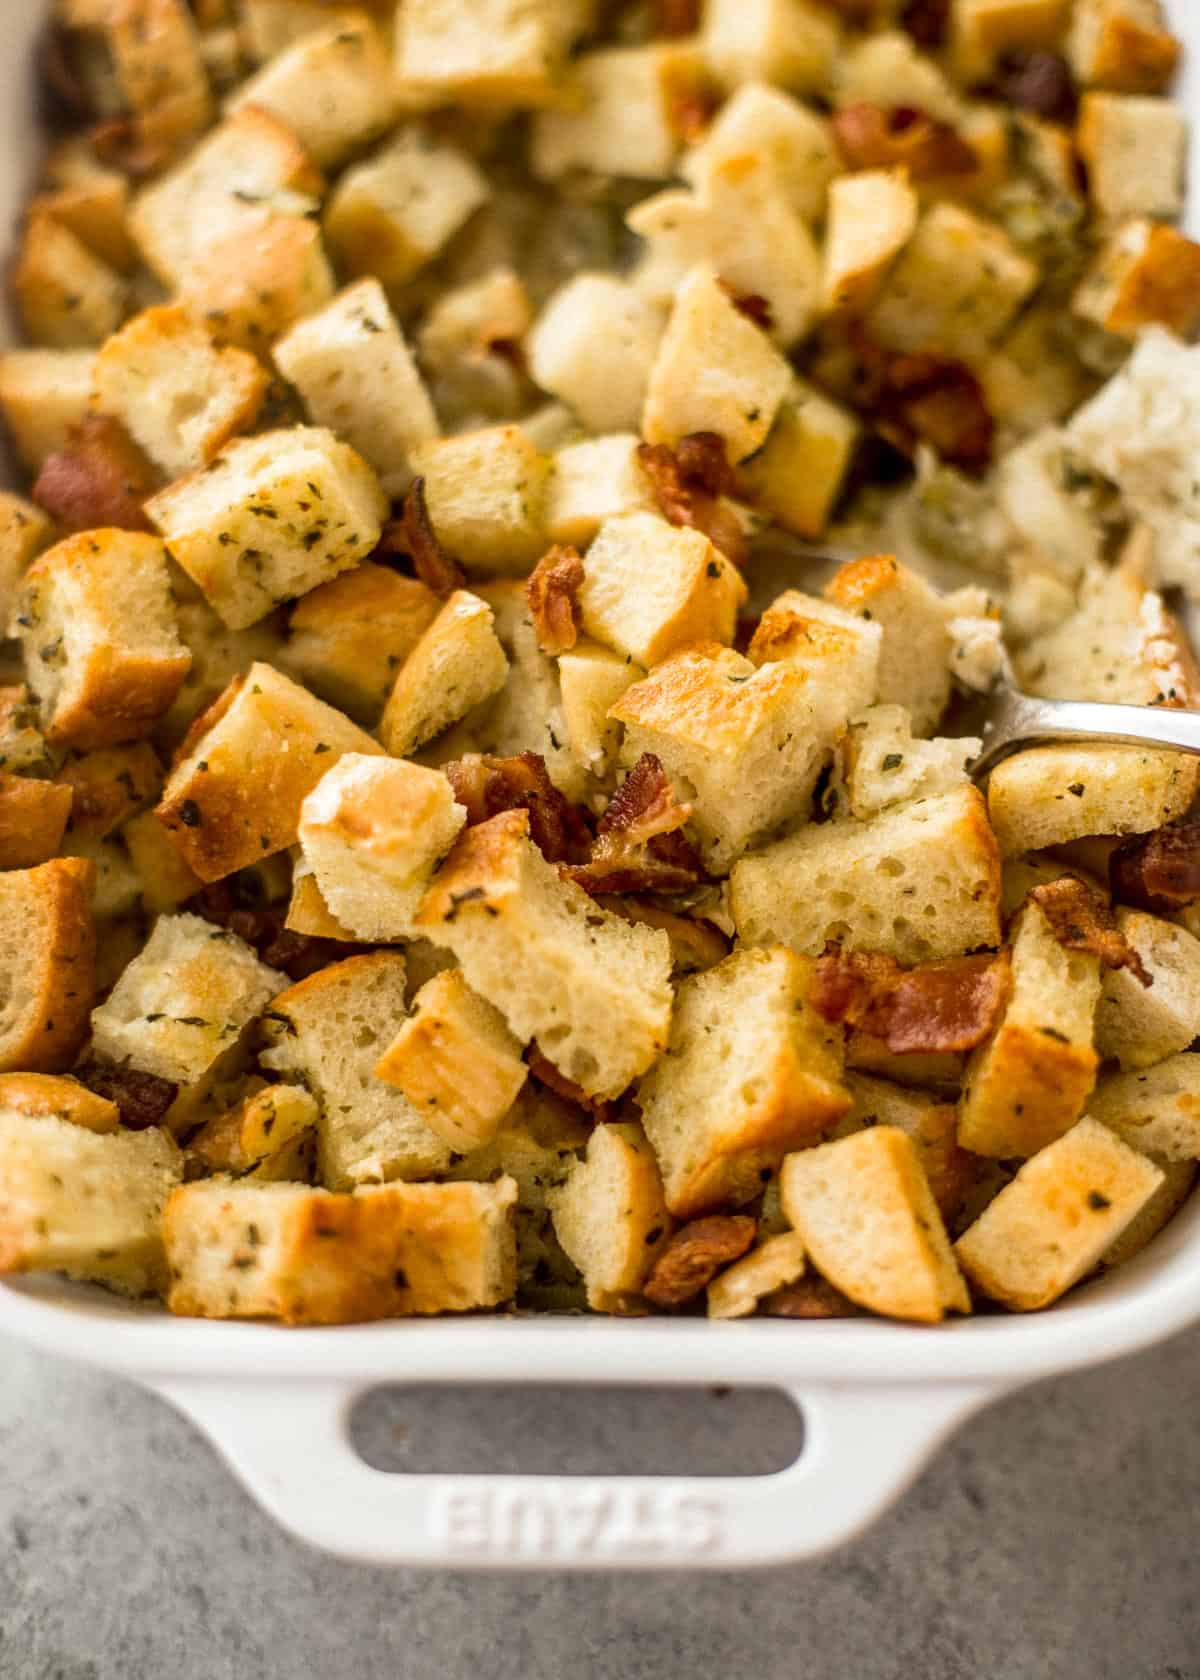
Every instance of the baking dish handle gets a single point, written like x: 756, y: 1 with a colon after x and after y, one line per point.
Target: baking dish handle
x: 292, y: 1449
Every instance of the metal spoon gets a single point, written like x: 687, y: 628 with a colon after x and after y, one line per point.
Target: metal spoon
x: 1006, y: 720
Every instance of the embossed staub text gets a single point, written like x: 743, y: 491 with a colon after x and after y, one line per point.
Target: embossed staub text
x: 567, y: 1523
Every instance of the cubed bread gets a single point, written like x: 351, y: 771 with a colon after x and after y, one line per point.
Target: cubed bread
x: 471, y: 344
x: 390, y: 214
x: 348, y: 637
x: 619, y: 112
x: 593, y: 346
x: 68, y: 296
x: 356, y: 375
x: 982, y: 31
x: 610, y: 1215
x: 1049, y: 796
x: 1123, y: 45
x: 304, y: 1256
x: 591, y: 681
x: 329, y: 1031
x: 650, y: 588
x: 836, y: 650
x: 914, y: 661
x: 49, y: 964
x: 869, y: 1223
x: 218, y: 655
x: 98, y: 635
x: 177, y: 395
x: 44, y: 396
x: 746, y: 742
x: 89, y: 199
x: 373, y: 831
x: 486, y: 494
x: 776, y: 1262
x: 109, y: 786
x: 956, y: 286
x: 1135, y: 150
x: 1178, y: 1182
x: 1050, y: 1226
x: 152, y: 49
x: 260, y: 278
x: 184, y: 1001
x: 1033, y: 491
x: 594, y: 480
x: 457, y: 664
x: 456, y: 1062
x: 307, y: 910
x: 1147, y: 273
x: 267, y: 1138
x: 335, y: 89
x: 1137, y: 1024
x: 22, y: 745
x: 715, y: 371
x: 83, y: 1202
x: 1155, y: 1109
x: 1030, y: 1083
x: 929, y: 1120
x: 270, y: 518
x: 164, y: 878
x: 919, y: 883
x: 872, y: 216
x: 501, y: 54
x: 798, y: 474
x: 57, y: 1097
x: 795, y: 143
x: 789, y: 42
x: 33, y: 820
x: 751, y: 1071
x: 592, y: 989
x: 884, y: 764
x: 234, y: 797
x: 889, y: 70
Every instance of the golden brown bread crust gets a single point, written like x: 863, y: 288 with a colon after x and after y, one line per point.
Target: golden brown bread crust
x: 48, y: 1095
x: 482, y: 869
x: 33, y: 818
x: 109, y: 786
x: 44, y: 1029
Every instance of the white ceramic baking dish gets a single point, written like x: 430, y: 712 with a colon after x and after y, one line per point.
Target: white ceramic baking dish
x: 877, y: 1398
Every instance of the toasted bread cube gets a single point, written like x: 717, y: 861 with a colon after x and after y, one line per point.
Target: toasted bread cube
x: 33, y: 820
x: 457, y: 665
x: 154, y: 46
x: 330, y: 1030
x: 24, y: 532
x: 1030, y: 1083
x: 886, y: 69
x: 234, y: 798
x: 610, y: 1215
x: 109, y: 786
x: 335, y: 89
x: 791, y: 43
x: 503, y: 53
x: 747, y: 742
x: 741, y: 224
x: 929, y: 1120
x: 619, y: 112
x: 866, y: 1215
x: 44, y: 396
x: 91, y: 199
x: 184, y: 1001
x: 1155, y: 1109
x: 357, y: 376
x: 1135, y: 150
x: 218, y: 655
x: 1049, y: 796
x: 269, y: 27
x: 268, y: 1138
x: 456, y: 1062
x: 920, y: 883
x: 304, y: 1256
x: 1147, y: 273
x: 348, y: 637
x: 763, y: 122
x: 1123, y: 45
x: 715, y: 372
x: 592, y: 481
x: 776, y: 1262
x: 956, y: 286
x: 650, y: 588
x: 1050, y: 1226
x: 68, y: 296
x: 307, y: 910
x: 177, y: 395
x: 872, y: 216
x: 885, y: 765
x: 592, y: 989
x: 390, y: 214
x: 1032, y: 490
x: 750, y: 1072
x: 1139, y: 1025
x: 97, y: 629
x: 22, y: 745
x: 57, y: 1097
x: 837, y: 650
x: 591, y: 680
x: 249, y: 161
x: 253, y: 284
x: 593, y: 347
x: 373, y: 831
x: 486, y: 493
x: 83, y: 1202
x: 49, y: 964
x: 467, y: 342
x: 982, y: 31
x: 166, y: 881
x: 914, y: 663
x: 1179, y: 1180
x: 270, y: 518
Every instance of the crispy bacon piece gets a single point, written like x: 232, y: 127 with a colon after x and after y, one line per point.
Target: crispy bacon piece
x: 295, y: 954
x: 938, y: 1008
x: 122, y: 143
x: 551, y: 592
x: 639, y: 847
x: 692, y: 101
x: 927, y: 21
x: 413, y: 534
x: 810, y: 1297
x: 942, y: 402
x: 688, y: 483
x: 1081, y: 921
x: 1040, y: 81
x: 143, y: 1098
x: 545, y: 1072
x: 753, y: 306
x: 691, y: 1259
x: 485, y: 786
x: 675, y: 17
x: 101, y: 478
x: 873, y: 137
x: 1159, y: 872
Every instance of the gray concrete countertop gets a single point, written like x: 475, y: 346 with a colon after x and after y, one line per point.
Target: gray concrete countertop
x: 1055, y: 1539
